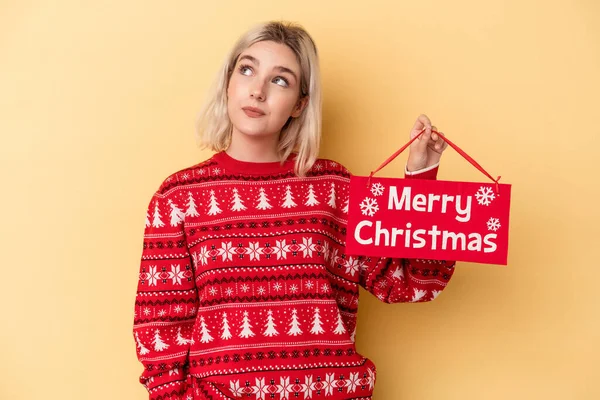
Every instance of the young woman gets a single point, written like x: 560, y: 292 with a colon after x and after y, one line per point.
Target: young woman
x: 245, y: 288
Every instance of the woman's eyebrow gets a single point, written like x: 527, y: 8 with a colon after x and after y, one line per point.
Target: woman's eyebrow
x: 279, y: 67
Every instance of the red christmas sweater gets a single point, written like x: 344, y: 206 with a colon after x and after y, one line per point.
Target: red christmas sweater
x: 245, y: 289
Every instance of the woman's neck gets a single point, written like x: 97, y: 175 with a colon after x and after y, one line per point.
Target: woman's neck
x: 253, y: 149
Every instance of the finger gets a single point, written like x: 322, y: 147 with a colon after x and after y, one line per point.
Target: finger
x: 434, y: 135
x: 422, y: 122
x: 425, y: 139
x: 426, y: 124
x: 441, y: 144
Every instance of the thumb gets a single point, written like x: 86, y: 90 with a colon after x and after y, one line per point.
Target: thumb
x: 423, y: 140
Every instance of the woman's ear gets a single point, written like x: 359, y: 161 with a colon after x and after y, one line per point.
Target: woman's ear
x: 300, y: 106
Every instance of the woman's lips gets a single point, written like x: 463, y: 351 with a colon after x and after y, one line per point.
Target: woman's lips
x: 253, y: 114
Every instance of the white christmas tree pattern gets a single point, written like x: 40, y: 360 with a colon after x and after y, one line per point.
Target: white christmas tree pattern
x: 377, y: 189
x: 353, y: 335
x: 369, y: 206
x: 206, y: 337
x: 418, y: 295
x: 311, y: 199
x: 294, y: 325
x: 339, y: 327
x: 317, y: 324
x: 331, y: 201
x: 237, y: 204
x: 288, y: 201
x: 270, y: 327
x: 398, y: 273
x: 214, y: 205
x: 346, y: 205
x: 143, y: 350
x: 177, y: 216
x: 147, y: 219
x: 180, y: 340
x: 191, y: 210
x: 485, y: 196
x: 246, y: 327
x: 226, y: 334
x: 493, y: 224
x: 158, y: 343
x: 263, y: 200
x: 157, y: 221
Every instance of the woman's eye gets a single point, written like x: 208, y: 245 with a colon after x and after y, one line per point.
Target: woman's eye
x: 243, y: 68
x: 285, y: 82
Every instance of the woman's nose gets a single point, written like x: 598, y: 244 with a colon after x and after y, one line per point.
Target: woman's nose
x: 257, y: 91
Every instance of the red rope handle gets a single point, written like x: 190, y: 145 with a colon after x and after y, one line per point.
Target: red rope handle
x: 455, y: 147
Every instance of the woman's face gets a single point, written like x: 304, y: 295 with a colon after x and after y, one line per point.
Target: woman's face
x: 266, y: 77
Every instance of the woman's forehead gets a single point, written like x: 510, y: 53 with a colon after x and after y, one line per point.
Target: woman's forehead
x: 268, y: 52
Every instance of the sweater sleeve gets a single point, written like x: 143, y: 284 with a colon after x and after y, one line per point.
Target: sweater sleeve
x: 398, y: 280
x: 166, y: 299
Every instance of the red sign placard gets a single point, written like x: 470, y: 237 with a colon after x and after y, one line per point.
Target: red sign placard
x: 428, y: 219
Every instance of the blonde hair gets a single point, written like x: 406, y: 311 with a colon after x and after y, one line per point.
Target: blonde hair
x: 301, y: 134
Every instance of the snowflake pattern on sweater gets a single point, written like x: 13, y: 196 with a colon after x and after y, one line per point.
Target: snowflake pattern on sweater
x: 245, y: 287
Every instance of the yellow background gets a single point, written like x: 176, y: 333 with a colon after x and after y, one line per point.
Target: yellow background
x: 97, y: 106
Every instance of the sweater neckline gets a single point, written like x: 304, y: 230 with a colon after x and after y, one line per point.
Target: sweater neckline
x: 253, y: 168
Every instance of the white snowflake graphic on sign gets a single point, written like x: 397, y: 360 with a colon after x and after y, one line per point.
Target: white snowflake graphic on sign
x: 369, y: 206
x: 485, y: 195
x: 377, y: 189
x: 493, y: 224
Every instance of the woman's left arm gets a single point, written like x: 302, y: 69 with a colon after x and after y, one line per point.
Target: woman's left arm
x: 395, y: 280
x: 398, y: 280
